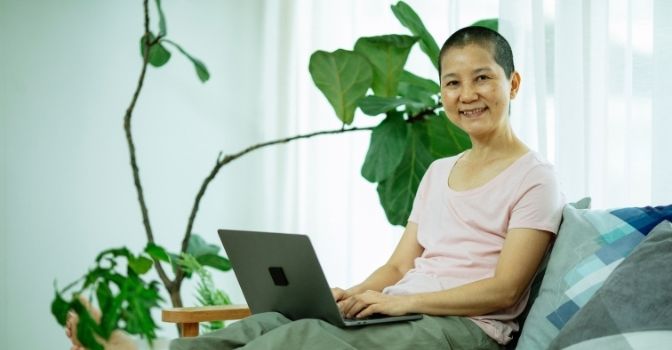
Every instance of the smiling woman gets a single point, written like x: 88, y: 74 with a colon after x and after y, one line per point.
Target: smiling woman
x: 475, y: 90
x: 479, y: 227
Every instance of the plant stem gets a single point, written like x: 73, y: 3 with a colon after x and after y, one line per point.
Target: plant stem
x: 131, y: 147
x: 422, y: 114
x: 173, y: 286
x: 229, y: 158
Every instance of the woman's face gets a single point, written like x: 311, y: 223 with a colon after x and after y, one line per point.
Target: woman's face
x: 475, y: 90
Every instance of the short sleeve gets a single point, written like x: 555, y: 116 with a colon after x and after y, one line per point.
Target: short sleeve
x: 420, y: 200
x: 540, y: 201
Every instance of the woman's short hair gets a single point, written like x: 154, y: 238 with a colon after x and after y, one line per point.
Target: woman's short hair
x: 486, y: 38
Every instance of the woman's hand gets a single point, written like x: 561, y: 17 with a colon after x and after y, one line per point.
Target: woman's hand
x: 343, y: 299
x: 339, y: 294
x: 372, y: 302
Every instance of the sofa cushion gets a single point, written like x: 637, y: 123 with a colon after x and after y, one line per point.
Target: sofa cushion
x: 590, y: 244
x: 634, y: 304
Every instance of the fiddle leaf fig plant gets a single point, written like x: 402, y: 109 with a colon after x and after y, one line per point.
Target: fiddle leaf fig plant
x: 414, y: 130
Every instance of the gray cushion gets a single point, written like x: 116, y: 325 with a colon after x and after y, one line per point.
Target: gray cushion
x: 590, y: 244
x: 636, y: 299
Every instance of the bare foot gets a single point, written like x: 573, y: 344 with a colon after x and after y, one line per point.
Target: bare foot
x: 118, y: 340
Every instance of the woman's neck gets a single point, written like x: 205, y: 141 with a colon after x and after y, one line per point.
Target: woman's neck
x: 491, y: 147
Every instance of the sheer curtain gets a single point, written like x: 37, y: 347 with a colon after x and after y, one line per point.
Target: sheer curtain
x: 594, y: 94
x: 591, y: 101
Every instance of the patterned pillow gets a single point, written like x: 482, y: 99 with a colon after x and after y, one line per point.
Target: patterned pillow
x: 634, y: 304
x: 590, y: 244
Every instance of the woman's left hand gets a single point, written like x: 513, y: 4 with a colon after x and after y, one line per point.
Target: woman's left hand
x: 379, y: 303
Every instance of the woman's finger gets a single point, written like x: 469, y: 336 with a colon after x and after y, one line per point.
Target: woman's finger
x: 357, y: 306
x: 338, y: 293
x: 368, y: 311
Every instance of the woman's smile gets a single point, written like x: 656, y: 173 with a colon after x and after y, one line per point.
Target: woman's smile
x: 472, y: 113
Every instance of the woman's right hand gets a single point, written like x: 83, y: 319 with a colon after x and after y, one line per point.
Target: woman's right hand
x: 348, y: 303
x: 343, y: 299
x: 338, y: 294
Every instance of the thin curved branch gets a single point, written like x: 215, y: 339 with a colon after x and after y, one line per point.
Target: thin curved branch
x: 229, y: 158
x: 131, y: 147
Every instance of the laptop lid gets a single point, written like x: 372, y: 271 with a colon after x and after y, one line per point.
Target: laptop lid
x: 281, y: 272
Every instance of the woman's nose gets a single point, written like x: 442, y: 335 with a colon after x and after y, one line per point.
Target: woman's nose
x: 468, y: 94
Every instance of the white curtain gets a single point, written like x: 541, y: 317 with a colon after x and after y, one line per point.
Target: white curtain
x: 595, y: 86
x: 592, y: 102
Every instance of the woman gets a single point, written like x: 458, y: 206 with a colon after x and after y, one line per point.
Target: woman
x: 480, y: 225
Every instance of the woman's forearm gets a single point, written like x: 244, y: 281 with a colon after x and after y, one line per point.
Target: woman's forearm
x: 384, y: 276
x: 477, y: 298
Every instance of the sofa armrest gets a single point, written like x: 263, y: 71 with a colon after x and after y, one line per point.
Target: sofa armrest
x: 188, y: 318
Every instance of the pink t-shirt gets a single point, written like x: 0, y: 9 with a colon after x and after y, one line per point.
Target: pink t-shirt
x: 463, y: 232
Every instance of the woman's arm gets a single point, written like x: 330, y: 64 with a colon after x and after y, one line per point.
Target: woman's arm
x: 521, y: 255
x: 395, y: 268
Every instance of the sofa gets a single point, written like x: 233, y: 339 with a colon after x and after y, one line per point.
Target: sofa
x: 606, y: 284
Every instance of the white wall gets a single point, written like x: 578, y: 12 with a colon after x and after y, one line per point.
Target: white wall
x: 68, y: 70
x: 3, y: 212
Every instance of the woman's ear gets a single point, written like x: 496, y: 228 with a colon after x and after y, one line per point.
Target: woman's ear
x: 515, y: 84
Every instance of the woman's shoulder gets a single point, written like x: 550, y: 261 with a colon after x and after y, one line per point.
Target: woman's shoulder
x: 536, y: 168
x: 445, y: 162
x: 534, y: 160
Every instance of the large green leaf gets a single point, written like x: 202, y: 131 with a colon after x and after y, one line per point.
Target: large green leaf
x: 386, y: 149
x: 104, y: 295
x: 158, y: 54
x: 490, y: 23
x: 387, y: 54
x: 111, y: 310
x: 422, y: 83
x: 140, y: 265
x: 419, y: 100
x: 198, y: 246
x: 115, y: 252
x: 60, y: 308
x: 411, y: 20
x: 446, y: 139
x: 423, y: 92
x: 374, y: 105
x: 86, y: 327
x: 343, y: 77
x: 397, y: 192
x: 157, y: 252
x: 215, y: 261
x: 199, y: 66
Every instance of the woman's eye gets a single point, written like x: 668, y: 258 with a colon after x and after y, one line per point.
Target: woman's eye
x: 451, y: 83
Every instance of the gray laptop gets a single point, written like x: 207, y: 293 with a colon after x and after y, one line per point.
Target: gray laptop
x: 280, y: 272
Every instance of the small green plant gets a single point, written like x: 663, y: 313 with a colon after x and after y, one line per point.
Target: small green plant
x: 206, y: 292
x: 124, y: 298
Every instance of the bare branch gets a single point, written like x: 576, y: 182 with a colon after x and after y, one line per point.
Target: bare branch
x: 229, y: 158
x: 131, y: 149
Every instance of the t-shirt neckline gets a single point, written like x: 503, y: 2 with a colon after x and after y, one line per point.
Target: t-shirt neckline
x: 490, y: 182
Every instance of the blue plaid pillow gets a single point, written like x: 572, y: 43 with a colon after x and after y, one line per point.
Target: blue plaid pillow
x: 590, y: 244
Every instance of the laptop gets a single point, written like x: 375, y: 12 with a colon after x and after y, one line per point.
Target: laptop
x: 280, y: 272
